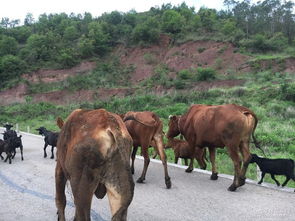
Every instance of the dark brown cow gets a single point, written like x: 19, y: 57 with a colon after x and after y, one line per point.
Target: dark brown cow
x: 146, y: 129
x: 93, y: 153
x: 221, y: 126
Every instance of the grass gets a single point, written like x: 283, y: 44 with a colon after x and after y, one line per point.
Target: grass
x: 272, y: 102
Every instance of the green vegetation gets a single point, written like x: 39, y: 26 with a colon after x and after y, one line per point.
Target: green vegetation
x: 270, y: 95
x: 62, y: 41
x: 266, y: 28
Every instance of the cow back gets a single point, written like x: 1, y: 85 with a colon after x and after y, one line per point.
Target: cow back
x: 216, y: 125
x: 96, y: 131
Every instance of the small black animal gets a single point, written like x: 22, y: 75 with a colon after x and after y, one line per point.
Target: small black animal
x: 14, y: 141
x: 50, y: 138
x: 4, y: 147
x: 275, y: 167
x: 9, y: 133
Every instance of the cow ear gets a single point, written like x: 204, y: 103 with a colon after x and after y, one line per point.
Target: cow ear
x: 59, y: 122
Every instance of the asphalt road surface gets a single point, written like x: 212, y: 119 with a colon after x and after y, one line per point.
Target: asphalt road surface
x: 27, y: 191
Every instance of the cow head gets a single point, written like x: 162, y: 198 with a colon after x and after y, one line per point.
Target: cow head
x: 173, y: 129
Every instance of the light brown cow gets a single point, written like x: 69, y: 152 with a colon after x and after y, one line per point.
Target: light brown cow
x: 181, y: 150
x: 93, y: 153
x: 146, y: 129
x: 221, y: 126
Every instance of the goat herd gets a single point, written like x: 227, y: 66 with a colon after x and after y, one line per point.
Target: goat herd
x: 93, y: 150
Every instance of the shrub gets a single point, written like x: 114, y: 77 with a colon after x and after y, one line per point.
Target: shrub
x: 288, y: 91
x: 205, y: 74
x: 200, y: 50
x: 10, y: 68
x: 149, y: 58
x: 184, y: 74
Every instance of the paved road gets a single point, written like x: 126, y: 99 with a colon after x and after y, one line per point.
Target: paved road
x: 27, y: 194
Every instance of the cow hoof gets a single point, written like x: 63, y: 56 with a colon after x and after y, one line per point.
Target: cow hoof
x: 242, y: 181
x: 51, y: 157
x: 214, y: 176
x: 168, y: 182
x: 259, y: 182
x: 139, y: 180
x: 232, y: 188
x: 189, y: 170
x: 203, y: 168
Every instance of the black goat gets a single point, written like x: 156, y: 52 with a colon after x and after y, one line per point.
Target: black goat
x: 15, y: 142
x: 10, y: 136
x: 9, y: 133
x: 50, y: 138
x: 4, y: 147
x: 275, y: 167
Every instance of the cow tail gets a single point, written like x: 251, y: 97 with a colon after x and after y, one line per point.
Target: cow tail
x: 256, y: 143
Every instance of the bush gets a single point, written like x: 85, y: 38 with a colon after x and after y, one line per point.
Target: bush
x: 67, y: 58
x: 288, y: 91
x: 147, y: 32
x: 149, y: 58
x: 184, y: 74
x: 205, y: 74
x: 10, y: 68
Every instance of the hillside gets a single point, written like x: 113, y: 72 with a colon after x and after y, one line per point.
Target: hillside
x: 223, y: 57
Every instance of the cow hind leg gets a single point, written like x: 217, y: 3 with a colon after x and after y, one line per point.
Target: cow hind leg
x: 133, y: 158
x: 146, y: 164
x: 160, y: 148
x: 83, y: 187
x: 214, y: 175
x: 233, y: 153
x: 244, y: 149
x: 60, y: 197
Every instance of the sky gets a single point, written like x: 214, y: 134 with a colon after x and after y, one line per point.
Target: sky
x: 18, y: 9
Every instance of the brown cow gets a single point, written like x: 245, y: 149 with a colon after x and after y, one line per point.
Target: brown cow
x: 93, y: 153
x: 146, y: 129
x: 218, y: 126
x: 181, y: 150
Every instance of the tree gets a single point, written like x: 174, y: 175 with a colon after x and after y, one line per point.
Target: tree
x: 70, y: 33
x: 208, y: 18
x: 99, y: 37
x: 11, y: 67
x: 29, y: 19
x: 147, y: 31
x: 172, y: 21
x: 8, y: 45
x: 86, y: 47
x: 4, y: 22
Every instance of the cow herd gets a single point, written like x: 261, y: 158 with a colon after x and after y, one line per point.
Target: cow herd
x: 94, y: 151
